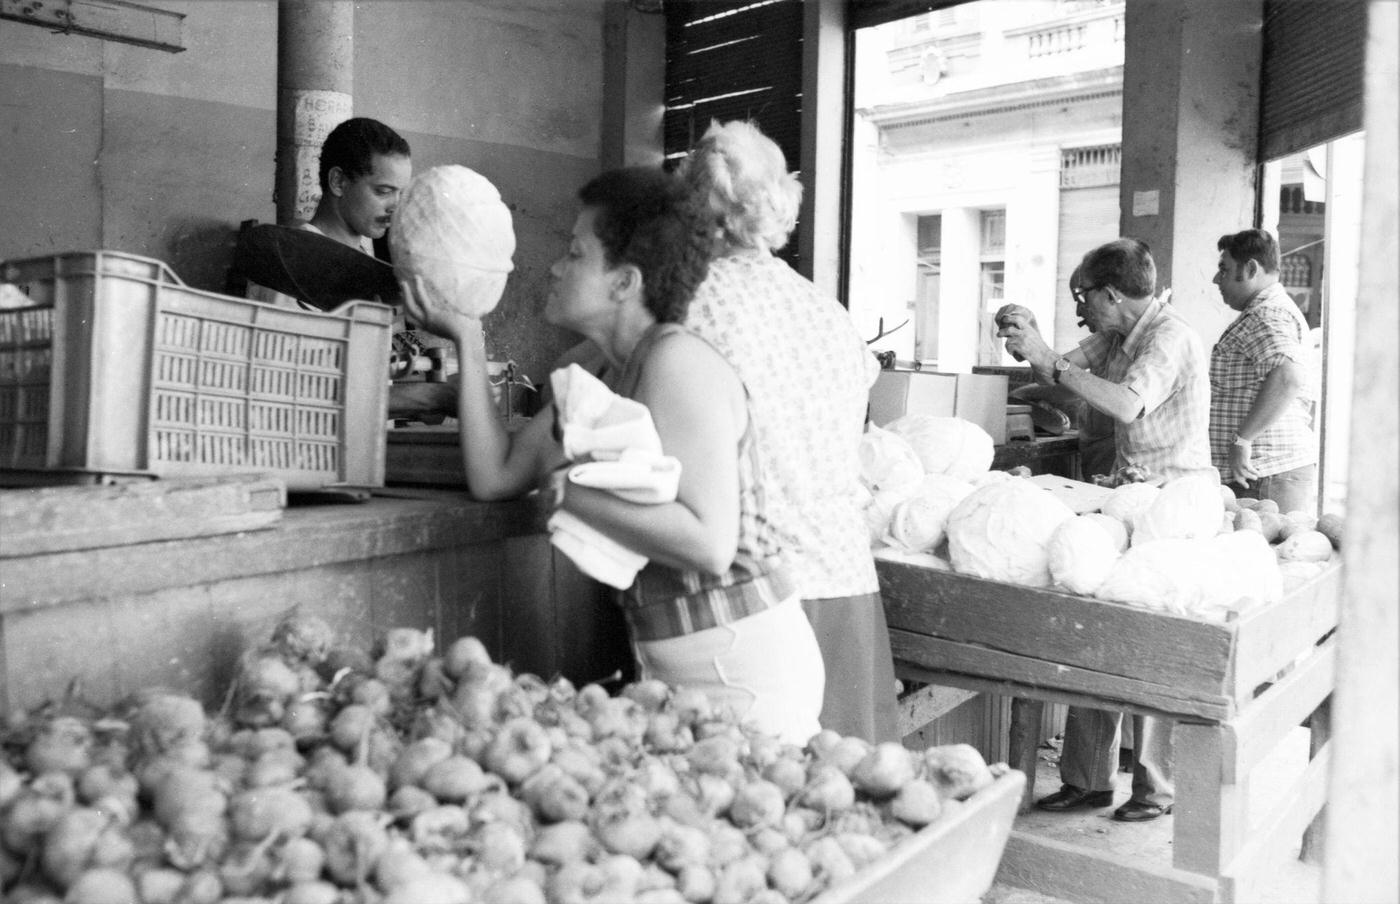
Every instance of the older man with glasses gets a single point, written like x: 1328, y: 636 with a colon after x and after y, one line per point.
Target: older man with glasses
x: 1145, y: 367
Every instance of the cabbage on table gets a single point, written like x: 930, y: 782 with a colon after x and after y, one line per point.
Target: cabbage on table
x: 1002, y: 532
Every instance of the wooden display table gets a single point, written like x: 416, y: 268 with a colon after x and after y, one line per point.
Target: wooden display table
x: 1235, y: 690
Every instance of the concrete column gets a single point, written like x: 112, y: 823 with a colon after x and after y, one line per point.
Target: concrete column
x: 315, y: 85
x: 820, y: 251
x: 1190, y: 139
x: 634, y: 84
x: 1363, y: 830
x: 960, y: 302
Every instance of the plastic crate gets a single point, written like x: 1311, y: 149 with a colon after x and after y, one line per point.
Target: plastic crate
x: 110, y: 365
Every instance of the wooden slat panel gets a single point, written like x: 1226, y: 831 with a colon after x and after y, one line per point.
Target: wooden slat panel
x: 1003, y: 672
x: 1269, y: 639
x: 1279, y: 710
x: 304, y: 538
x: 1072, y: 873
x: 130, y: 23
x: 1152, y: 647
x: 1274, y: 838
x: 1209, y: 814
x: 1001, y: 687
x: 922, y: 706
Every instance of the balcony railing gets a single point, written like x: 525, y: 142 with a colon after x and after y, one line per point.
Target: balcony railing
x: 1087, y: 167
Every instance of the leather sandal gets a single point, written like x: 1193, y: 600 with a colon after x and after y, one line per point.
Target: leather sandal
x: 1070, y: 797
x: 1137, y: 811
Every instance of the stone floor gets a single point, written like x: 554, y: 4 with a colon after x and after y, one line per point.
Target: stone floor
x: 1293, y: 882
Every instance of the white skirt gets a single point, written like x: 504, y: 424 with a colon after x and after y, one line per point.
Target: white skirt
x: 766, y: 669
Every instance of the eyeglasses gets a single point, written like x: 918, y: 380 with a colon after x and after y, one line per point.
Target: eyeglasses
x: 1081, y: 293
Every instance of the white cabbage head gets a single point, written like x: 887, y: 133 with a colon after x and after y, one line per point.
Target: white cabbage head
x: 878, y: 510
x: 1002, y: 531
x: 888, y: 464
x: 1186, y: 508
x: 1203, y: 578
x: 1116, y: 529
x: 452, y: 229
x: 946, y: 445
x: 1128, y: 501
x: 919, y: 523
x: 1081, y: 553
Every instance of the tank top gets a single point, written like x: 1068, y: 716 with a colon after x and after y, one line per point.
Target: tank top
x: 668, y: 602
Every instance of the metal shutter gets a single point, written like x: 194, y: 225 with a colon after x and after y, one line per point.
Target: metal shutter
x: 1088, y: 218
x: 727, y: 61
x: 1311, y: 89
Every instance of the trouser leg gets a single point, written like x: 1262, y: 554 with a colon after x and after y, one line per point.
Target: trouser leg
x: 1152, y: 761
x: 1089, y: 757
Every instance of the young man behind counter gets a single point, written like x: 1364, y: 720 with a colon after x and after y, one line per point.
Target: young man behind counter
x: 364, y: 168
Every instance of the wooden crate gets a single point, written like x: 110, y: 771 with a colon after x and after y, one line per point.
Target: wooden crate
x: 1234, y: 689
x: 1153, y: 662
x: 952, y: 861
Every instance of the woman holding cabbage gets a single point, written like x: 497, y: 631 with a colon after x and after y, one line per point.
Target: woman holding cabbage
x: 713, y: 600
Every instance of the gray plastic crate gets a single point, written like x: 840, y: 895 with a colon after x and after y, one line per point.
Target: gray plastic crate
x: 110, y: 365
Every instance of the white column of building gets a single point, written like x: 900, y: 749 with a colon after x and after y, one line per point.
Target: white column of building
x: 1032, y: 240
x: 961, y: 296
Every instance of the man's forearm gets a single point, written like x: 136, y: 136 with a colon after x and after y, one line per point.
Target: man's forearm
x: 1117, y: 401
x: 1279, y: 390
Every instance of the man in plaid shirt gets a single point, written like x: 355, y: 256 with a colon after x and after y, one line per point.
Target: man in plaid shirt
x: 1145, y: 367
x: 1261, y: 435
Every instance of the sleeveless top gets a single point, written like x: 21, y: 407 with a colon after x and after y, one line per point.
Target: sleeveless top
x: 666, y: 602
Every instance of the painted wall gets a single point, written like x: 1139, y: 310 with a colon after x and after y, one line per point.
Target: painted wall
x: 120, y: 147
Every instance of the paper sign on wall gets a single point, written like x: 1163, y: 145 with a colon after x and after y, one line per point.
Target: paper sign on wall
x: 1145, y: 203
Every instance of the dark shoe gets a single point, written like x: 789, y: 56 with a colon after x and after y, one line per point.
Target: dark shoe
x: 1069, y: 797
x: 1136, y: 811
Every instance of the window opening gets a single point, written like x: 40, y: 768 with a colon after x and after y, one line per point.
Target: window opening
x: 1003, y: 121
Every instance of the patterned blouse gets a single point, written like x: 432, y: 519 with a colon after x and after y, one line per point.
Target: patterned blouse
x: 667, y: 602
x: 808, y: 373
x: 1161, y: 360
x: 1269, y: 331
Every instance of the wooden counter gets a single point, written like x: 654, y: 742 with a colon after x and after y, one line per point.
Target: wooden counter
x: 178, y: 611
x: 1235, y: 690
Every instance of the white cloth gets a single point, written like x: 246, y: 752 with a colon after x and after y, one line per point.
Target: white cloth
x: 596, y: 422
x: 642, y: 477
x: 620, y: 437
x: 598, y: 556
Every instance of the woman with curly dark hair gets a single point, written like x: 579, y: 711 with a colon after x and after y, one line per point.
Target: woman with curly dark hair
x: 714, y: 600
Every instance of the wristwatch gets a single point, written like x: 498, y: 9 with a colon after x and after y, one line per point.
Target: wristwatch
x: 1061, y: 365
x: 1241, y: 441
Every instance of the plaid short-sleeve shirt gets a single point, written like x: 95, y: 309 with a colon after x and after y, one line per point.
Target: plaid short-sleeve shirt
x: 1163, y: 361
x: 808, y: 373
x: 1269, y: 331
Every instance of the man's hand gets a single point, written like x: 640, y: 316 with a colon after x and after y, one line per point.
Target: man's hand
x: 1023, y: 340
x: 1022, y: 314
x: 1241, y: 471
